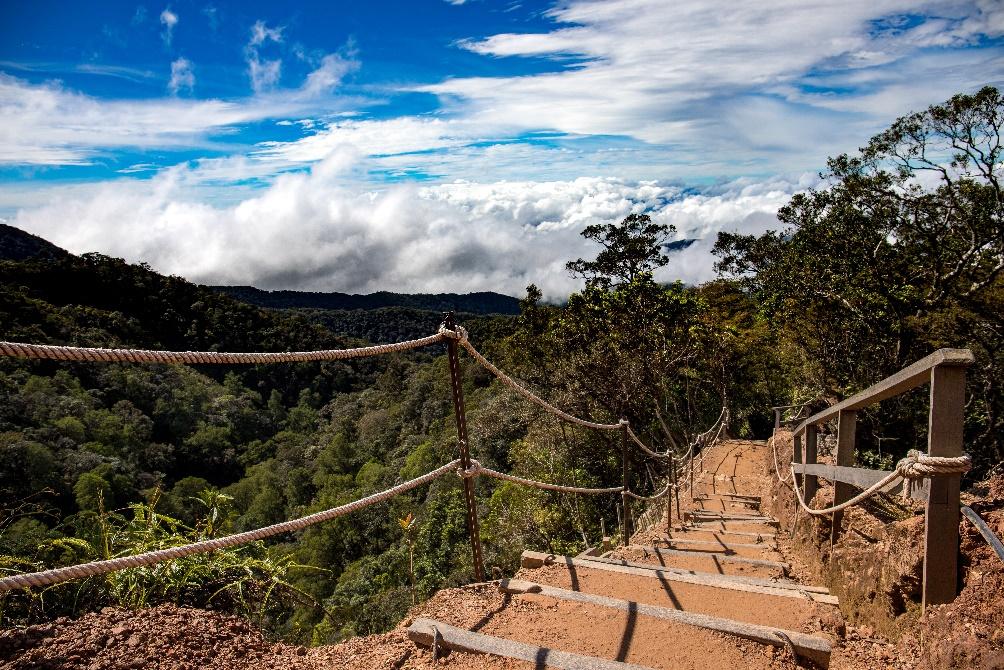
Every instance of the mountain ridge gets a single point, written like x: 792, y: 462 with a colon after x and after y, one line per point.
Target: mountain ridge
x: 482, y: 302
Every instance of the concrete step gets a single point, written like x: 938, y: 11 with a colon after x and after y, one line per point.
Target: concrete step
x: 688, y: 532
x: 716, y: 556
x: 697, y: 561
x: 441, y: 636
x: 775, y: 582
x: 751, y: 550
x: 533, y: 559
x: 812, y: 647
x: 770, y: 606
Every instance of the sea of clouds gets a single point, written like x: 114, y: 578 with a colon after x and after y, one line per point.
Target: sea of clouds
x: 317, y: 230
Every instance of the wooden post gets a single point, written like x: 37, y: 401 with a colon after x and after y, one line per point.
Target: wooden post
x: 846, y: 427
x: 672, y: 493
x: 810, y: 482
x: 465, y: 453
x: 796, y: 457
x: 777, y: 419
x: 944, y: 438
x: 625, y: 520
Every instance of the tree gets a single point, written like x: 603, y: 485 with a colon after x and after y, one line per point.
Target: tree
x: 631, y: 248
x: 901, y: 253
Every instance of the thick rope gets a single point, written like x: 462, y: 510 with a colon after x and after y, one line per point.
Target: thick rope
x: 644, y: 447
x: 655, y: 496
x: 478, y: 469
x: 151, y: 557
x: 460, y: 335
x: 60, y: 353
x: 777, y: 467
x: 916, y: 465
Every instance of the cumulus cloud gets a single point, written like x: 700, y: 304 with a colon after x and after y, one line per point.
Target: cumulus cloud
x: 169, y: 20
x: 182, y: 76
x: 318, y: 230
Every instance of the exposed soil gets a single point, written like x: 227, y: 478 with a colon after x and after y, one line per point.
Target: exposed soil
x: 876, y: 567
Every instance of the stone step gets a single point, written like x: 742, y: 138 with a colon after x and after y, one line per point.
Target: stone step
x: 811, y: 647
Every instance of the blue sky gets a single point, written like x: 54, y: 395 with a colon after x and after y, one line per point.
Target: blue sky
x: 434, y: 145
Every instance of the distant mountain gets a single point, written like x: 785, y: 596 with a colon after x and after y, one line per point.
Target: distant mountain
x: 17, y: 245
x: 474, y: 303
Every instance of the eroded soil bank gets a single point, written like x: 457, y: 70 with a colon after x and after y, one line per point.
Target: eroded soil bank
x: 876, y: 566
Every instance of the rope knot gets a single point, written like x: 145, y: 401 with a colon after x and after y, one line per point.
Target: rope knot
x: 623, y: 422
x: 917, y: 465
x: 459, y: 333
x: 473, y: 471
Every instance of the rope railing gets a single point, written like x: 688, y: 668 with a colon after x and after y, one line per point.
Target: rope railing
x: 915, y: 465
x: 460, y: 335
x: 655, y: 496
x: 63, y: 353
x: 478, y: 469
x: 93, y: 354
x: 57, y: 575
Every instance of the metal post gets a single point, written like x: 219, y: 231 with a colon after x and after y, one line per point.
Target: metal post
x: 693, y: 457
x: 847, y: 421
x: 810, y: 482
x: 465, y: 452
x: 944, y: 438
x: 625, y: 521
x: 672, y: 493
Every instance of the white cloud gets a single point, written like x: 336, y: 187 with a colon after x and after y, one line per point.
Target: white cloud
x: 182, y: 76
x: 688, y: 74
x: 319, y: 231
x: 169, y: 20
x: 261, y: 33
x: 328, y: 75
x: 47, y: 124
x: 264, y: 73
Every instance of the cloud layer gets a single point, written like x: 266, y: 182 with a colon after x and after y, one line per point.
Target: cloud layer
x: 315, y: 231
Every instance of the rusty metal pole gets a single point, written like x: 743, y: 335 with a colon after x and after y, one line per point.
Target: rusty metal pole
x: 693, y: 457
x: 673, y: 492
x: 465, y: 452
x: 625, y: 522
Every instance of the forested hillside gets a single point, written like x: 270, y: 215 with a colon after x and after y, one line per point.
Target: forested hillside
x: 477, y: 303
x: 873, y: 271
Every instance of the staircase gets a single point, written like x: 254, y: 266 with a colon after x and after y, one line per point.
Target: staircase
x: 711, y: 591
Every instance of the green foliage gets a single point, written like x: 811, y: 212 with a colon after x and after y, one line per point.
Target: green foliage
x: 632, y: 248
x: 248, y: 580
x: 900, y: 254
